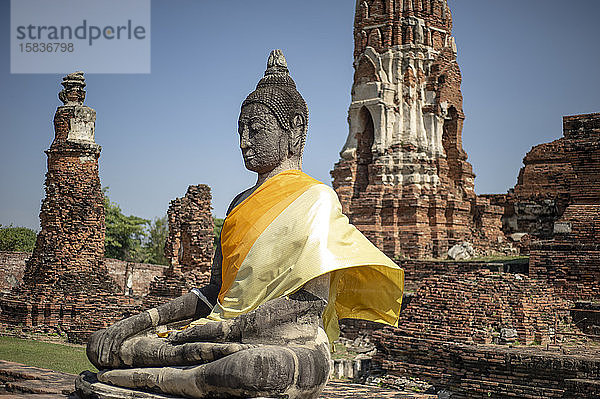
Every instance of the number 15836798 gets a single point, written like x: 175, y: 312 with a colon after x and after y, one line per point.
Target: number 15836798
x: 36, y: 47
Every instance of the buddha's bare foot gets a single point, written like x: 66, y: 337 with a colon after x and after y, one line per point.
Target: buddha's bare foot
x: 143, y: 378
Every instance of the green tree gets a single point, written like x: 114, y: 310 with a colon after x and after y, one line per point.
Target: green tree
x: 20, y: 239
x: 124, y: 234
x: 156, y: 236
x: 217, y: 230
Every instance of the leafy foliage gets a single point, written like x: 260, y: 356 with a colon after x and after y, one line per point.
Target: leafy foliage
x: 154, y: 246
x: 132, y: 238
x: 20, y: 239
x: 217, y: 229
x: 124, y: 234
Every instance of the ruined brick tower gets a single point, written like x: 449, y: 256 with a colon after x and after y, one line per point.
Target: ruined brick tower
x: 189, y: 246
x: 69, y: 252
x: 190, y: 242
x: 403, y: 177
x: 66, y: 286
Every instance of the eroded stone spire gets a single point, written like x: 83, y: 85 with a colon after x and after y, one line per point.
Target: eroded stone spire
x: 74, y: 121
x: 73, y: 92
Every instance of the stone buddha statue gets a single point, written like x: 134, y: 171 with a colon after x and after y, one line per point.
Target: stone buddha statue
x: 288, y: 265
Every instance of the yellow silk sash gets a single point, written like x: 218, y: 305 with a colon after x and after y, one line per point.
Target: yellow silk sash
x: 290, y: 231
x: 249, y: 219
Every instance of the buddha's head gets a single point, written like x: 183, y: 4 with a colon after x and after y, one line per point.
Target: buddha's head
x: 273, y: 120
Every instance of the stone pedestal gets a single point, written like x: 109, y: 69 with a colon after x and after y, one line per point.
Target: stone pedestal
x: 88, y: 387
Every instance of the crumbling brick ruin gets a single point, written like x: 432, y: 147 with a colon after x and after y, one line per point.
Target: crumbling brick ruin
x: 491, y: 371
x: 487, y: 330
x: 403, y: 178
x: 556, y: 203
x: 189, y: 246
x: 548, y: 182
x: 458, y: 312
x: 12, y: 267
x: 569, y: 257
x: 65, y: 283
x: 477, y: 306
x: 404, y: 181
x: 69, y: 251
x: 132, y: 279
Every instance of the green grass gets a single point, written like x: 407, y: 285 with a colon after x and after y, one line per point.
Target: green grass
x: 57, y: 357
x: 340, y: 351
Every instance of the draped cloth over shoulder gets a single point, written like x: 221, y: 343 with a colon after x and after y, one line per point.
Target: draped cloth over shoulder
x: 291, y: 230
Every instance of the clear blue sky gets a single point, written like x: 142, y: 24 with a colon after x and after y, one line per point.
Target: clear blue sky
x: 525, y: 64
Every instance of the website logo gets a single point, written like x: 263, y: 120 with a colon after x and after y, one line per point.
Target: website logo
x: 61, y: 36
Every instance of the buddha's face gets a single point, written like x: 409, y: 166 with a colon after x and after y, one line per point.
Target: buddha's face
x: 264, y: 143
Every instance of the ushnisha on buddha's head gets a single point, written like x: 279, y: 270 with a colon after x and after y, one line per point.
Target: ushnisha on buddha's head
x: 273, y: 121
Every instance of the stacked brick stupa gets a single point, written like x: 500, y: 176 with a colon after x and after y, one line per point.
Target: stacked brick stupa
x: 66, y: 286
x: 403, y: 177
x: 69, y: 252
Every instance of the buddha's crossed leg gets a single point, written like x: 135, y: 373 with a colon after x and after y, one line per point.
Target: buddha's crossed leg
x: 249, y: 371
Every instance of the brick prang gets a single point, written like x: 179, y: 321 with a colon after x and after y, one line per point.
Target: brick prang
x: 403, y: 177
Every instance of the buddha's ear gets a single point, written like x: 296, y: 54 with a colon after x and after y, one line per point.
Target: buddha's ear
x: 297, y: 132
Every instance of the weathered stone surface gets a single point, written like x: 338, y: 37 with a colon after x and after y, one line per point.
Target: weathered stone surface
x: 517, y: 237
x: 133, y: 279
x: 508, y: 335
x: 64, y: 383
x: 32, y: 381
x: 403, y: 178
x: 88, y: 386
x: 12, y: 267
x: 462, y: 251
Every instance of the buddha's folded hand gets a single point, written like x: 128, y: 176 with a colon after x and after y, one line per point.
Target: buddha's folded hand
x: 104, y: 346
x: 216, y: 331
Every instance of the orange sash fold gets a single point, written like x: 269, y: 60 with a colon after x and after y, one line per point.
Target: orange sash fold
x: 251, y: 217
